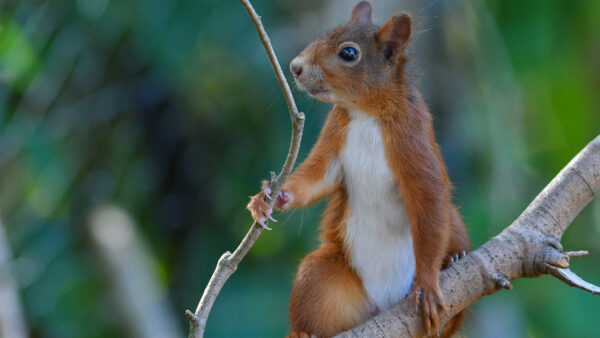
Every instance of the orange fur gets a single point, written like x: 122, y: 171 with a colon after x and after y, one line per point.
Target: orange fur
x: 314, y: 168
x: 328, y: 296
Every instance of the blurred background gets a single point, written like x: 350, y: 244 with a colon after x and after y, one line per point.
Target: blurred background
x: 133, y: 132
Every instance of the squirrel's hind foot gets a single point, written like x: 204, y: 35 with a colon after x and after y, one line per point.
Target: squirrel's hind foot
x: 432, y: 304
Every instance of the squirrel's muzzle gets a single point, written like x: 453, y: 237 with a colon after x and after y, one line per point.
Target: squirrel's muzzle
x: 296, y: 67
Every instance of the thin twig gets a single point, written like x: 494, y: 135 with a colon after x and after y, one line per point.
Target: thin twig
x: 289, y: 98
x: 228, y: 262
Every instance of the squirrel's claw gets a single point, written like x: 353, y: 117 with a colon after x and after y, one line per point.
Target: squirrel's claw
x: 266, y: 189
x: 454, y: 258
x: 269, y: 213
x: 263, y: 222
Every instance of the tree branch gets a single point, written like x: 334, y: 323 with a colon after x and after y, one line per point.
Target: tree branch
x: 529, y: 247
x: 262, y: 34
x: 228, y: 262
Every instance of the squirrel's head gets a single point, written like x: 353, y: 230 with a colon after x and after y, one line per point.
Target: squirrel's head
x: 356, y: 61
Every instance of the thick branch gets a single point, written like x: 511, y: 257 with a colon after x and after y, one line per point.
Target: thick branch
x: 529, y: 247
x: 228, y: 262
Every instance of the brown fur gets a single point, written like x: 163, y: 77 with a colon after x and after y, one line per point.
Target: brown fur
x: 312, y: 170
x: 328, y: 296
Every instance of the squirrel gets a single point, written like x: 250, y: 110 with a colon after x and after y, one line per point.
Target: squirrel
x: 390, y: 226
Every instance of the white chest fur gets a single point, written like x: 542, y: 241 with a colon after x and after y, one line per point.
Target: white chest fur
x: 377, y: 231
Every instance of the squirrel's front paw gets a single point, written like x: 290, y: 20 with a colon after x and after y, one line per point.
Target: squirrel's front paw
x: 259, y: 209
x: 432, y: 303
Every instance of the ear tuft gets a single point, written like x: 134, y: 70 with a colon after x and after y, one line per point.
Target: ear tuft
x: 361, y: 13
x: 395, y: 34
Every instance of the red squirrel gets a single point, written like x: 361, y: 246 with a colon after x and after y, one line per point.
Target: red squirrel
x: 390, y: 225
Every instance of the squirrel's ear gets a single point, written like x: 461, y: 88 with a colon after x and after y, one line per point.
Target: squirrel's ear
x: 395, y: 34
x: 361, y: 13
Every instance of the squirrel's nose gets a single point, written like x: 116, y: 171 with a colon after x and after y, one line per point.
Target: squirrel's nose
x: 296, y: 67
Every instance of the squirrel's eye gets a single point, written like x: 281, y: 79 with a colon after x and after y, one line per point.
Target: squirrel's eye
x: 348, y: 54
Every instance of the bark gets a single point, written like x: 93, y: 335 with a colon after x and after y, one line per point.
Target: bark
x: 529, y: 247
